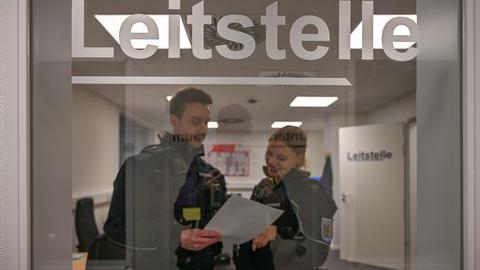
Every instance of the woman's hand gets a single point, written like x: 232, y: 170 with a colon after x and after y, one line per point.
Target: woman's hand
x: 262, y: 240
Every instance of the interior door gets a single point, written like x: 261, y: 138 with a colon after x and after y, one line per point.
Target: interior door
x: 372, y: 179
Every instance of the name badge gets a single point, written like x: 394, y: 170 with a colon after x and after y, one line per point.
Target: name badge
x: 191, y: 214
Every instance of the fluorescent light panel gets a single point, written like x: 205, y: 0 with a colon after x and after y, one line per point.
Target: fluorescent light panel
x: 379, y: 22
x: 213, y: 124
x: 112, y: 24
x: 302, y: 101
x: 281, y: 124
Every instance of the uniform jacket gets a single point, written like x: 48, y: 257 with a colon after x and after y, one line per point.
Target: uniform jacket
x: 314, y: 206
x: 149, y: 191
x: 273, y: 194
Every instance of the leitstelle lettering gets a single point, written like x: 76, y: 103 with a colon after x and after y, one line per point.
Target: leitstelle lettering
x: 370, y: 156
x: 273, y: 23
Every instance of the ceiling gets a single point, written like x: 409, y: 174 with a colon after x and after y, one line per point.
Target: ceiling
x: 374, y: 83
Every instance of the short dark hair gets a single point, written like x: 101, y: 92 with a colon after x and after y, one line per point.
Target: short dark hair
x: 188, y: 95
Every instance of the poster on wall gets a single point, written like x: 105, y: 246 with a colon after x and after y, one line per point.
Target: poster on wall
x: 231, y: 159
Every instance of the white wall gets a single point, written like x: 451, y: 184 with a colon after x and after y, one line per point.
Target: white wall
x: 256, y: 143
x: 95, y: 148
x: 95, y: 143
x: 399, y: 110
x: 315, y: 153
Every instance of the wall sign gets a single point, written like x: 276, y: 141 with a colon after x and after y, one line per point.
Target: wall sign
x: 370, y: 156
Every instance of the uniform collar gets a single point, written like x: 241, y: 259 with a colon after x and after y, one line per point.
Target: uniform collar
x: 271, y: 179
x: 292, y: 176
x: 295, y: 175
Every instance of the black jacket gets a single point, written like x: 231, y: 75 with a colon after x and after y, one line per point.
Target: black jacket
x: 270, y: 193
x: 273, y: 194
x: 315, y: 208
x: 141, y: 217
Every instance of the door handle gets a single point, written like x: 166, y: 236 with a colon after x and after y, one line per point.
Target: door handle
x: 345, y: 197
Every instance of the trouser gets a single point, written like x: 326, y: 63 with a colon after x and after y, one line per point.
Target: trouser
x: 247, y: 259
x: 198, y: 260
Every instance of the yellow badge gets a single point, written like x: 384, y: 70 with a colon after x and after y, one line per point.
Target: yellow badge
x: 192, y: 214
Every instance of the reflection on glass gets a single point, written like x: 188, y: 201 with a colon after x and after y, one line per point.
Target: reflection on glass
x: 158, y: 162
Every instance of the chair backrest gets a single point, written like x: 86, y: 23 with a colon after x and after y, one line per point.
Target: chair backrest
x: 85, y: 225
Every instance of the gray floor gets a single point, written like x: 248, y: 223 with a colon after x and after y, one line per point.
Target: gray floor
x: 333, y: 263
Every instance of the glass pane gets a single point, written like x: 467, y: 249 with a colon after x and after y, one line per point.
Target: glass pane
x: 260, y: 135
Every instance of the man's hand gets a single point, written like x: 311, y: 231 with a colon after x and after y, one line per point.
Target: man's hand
x: 197, y: 239
x: 262, y: 240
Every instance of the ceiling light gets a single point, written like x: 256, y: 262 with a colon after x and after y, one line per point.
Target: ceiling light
x: 169, y: 98
x: 212, y: 124
x: 281, y: 124
x: 379, y: 22
x: 112, y: 24
x: 313, y: 101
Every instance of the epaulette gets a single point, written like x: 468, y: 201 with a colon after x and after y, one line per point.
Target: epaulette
x: 317, y: 185
x: 152, y: 149
x: 160, y: 154
x: 148, y: 152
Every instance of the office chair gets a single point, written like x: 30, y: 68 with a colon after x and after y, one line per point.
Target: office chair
x: 85, y: 225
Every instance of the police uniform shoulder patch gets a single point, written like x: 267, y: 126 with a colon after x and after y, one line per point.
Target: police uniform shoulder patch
x: 327, y: 229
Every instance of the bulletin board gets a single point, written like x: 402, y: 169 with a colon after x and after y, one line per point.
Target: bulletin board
x: 230, y: 159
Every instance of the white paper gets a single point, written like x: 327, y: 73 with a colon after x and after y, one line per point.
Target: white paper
x: 240, y: 220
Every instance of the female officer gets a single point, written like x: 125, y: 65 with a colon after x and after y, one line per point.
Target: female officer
x: 285, y: 155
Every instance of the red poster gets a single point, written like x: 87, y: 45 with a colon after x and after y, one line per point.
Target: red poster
x: 230, y: 159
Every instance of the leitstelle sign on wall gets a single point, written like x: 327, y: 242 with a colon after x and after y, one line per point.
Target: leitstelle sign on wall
x: 370, y: 156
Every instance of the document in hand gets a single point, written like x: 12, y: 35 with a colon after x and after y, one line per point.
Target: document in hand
x: 240, y: 220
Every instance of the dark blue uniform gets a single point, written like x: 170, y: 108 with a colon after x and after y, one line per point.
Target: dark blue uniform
x: 305, y: 228
x: 314, y: 206
x: 273, y: 194
x: 146, y: 218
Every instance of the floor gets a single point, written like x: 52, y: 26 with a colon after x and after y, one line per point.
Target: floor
x: 333, y: 263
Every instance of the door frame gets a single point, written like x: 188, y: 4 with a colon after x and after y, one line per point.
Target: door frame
x: 18, y: 17
x: 14, y: 135
x: 471, y: 132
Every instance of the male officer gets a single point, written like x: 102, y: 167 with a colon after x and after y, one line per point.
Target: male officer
x: 168, y: 181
